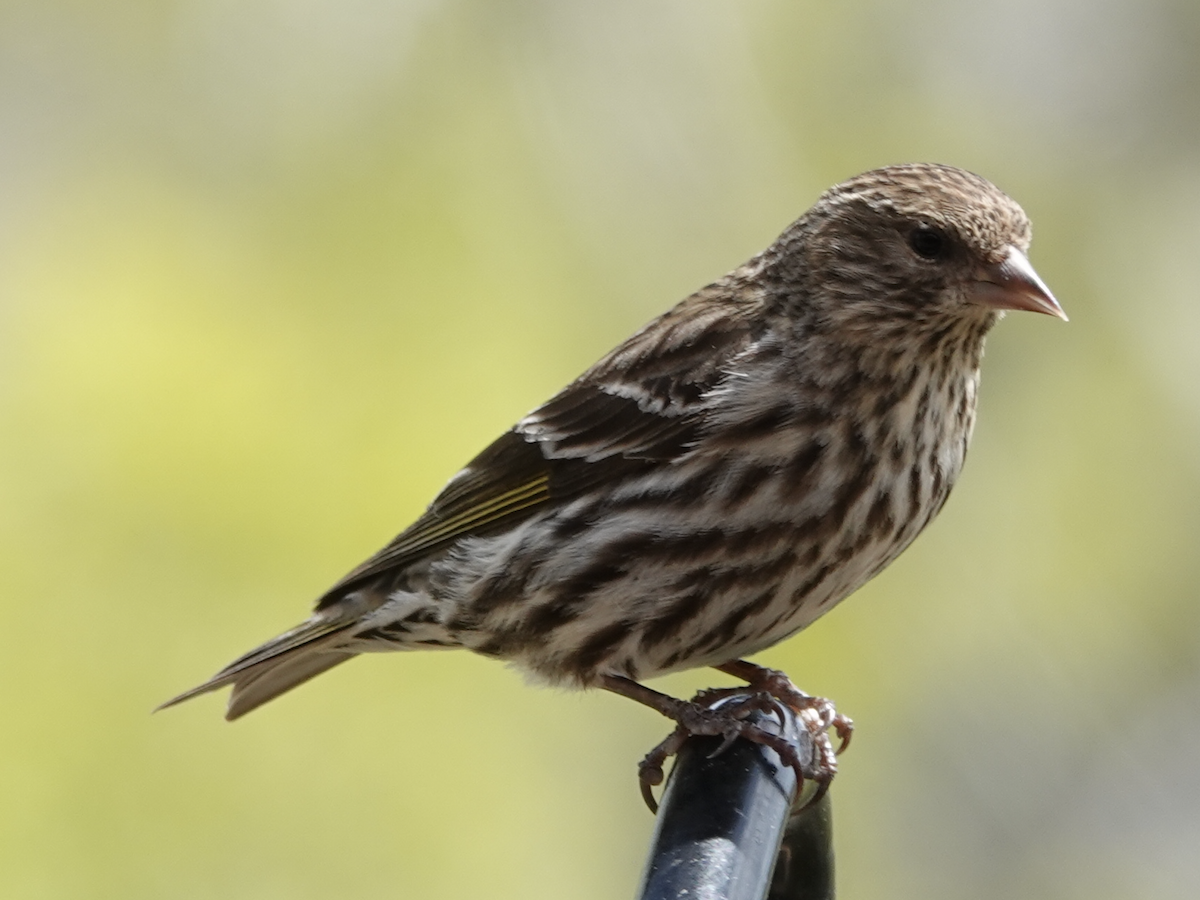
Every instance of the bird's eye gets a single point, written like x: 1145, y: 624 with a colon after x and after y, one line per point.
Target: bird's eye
x: 928, y: 243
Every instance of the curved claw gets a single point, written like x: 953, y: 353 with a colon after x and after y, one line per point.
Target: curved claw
x: 819, y: 794
x: 786, y: 751
x: 845, y: 730
x: 648, y: 796
x: 779, y: 711
x: 650, y: 770
x: 730, y: 737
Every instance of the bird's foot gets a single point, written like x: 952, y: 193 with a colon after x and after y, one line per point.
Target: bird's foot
x: 729, y: 713
x: 817, y: 714
x: 730, y: 721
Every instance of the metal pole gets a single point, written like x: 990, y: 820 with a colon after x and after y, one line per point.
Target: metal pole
x: 724, y: 820
x: 804, y: 867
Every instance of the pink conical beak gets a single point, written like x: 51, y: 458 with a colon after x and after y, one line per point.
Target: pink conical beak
x: 1012, y: 284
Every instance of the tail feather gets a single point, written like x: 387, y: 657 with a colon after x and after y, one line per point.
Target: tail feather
x: 281, y: 675
x: 277, y: 666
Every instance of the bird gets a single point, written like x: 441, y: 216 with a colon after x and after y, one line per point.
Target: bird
x: 715, y: 483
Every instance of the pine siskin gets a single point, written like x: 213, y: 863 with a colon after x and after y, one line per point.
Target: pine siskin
x: 719, y: 480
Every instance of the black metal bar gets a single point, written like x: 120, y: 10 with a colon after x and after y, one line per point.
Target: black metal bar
x: 725, y: 819
x: 804, y: 867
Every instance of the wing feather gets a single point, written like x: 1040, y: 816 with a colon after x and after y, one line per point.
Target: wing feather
x: 641, y: 406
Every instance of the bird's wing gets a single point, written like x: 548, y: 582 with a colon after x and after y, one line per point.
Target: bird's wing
x: 639, y: 407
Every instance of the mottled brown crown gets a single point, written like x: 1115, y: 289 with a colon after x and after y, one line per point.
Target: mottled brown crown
x: 954, y: 199
x: 852, y: 263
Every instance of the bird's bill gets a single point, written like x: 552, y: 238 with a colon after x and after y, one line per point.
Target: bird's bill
x: 1012, y: 284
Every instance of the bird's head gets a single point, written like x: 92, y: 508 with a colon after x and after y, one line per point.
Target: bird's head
x: 914, y: 245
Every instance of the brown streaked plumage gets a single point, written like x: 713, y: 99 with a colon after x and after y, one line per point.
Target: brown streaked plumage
x: 719, y: 480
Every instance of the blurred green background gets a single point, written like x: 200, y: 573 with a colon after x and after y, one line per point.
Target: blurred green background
x: 272, y: 270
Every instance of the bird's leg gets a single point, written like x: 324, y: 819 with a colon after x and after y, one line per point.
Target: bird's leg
x: 729, y: 722
x: 816, y: 713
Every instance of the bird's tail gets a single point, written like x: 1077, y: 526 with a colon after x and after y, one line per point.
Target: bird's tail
x: 278, y: 665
